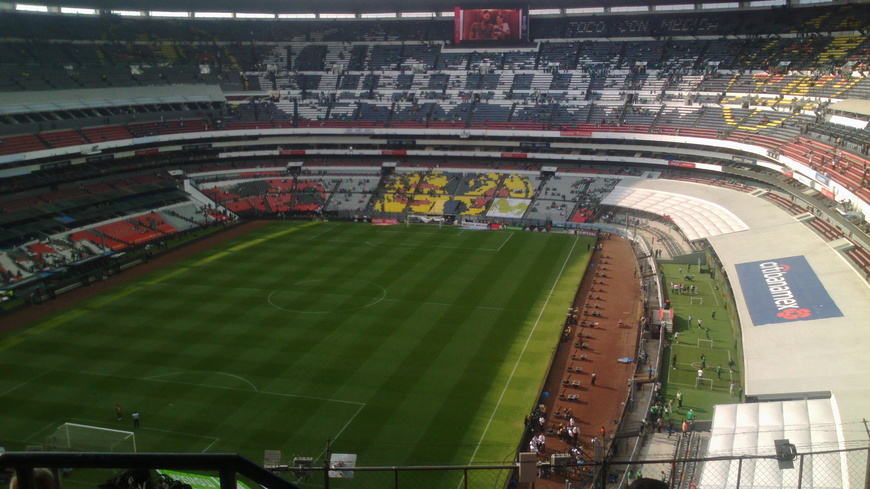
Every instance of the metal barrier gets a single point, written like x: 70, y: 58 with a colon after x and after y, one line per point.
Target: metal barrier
x: 839, y: 468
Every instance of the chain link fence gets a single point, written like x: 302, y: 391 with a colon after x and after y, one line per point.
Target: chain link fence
x: 835, y: 469
x: 440, y: 477
x: 820, y: 470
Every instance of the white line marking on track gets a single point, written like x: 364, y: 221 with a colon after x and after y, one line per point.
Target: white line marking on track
x: 522, y: 352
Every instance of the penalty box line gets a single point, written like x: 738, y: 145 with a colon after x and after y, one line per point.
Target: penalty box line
x: 360, y: 405
x: 102, y: 424
x: 195, y: 384
x: 213, y: 439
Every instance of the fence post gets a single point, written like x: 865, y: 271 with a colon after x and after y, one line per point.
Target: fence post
x: 801, y: 472
x: 739, y: 471
x: 396, y: 478
x: 867, y: 465
x: 326, y: 458
x: 227, y: 478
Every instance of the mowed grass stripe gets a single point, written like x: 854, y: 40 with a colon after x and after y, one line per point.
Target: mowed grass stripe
x: 484, y: 338
x: 430, y: 356
x: 423, y: 361
x: 517, y: 384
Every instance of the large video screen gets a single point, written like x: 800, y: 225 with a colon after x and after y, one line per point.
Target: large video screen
x: 491, y: 25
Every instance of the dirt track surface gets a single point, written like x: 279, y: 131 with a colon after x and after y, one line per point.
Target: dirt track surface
x: 27, y: 315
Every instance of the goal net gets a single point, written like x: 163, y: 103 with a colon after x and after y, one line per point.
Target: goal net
x: 84, y: 438
x: 414, y: 218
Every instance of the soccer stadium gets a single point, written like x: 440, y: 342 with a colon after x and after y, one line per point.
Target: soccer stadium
x: 352, y: 244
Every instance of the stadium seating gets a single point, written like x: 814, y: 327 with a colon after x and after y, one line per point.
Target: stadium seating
x: 652, y: 80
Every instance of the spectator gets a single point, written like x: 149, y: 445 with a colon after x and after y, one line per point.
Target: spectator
x: 42, y: 479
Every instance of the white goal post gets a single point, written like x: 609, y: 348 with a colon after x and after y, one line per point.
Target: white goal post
x: 80, y: 437
x: 416, y: 218
x: 699, y: 299
x: 702, y: 342
x: 700, y: 382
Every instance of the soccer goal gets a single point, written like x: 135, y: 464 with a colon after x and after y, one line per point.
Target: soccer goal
x: 698, y: 300
x: 703, y: 342
x: 79, y: 437
x: 413, y: 218
x: 702, y: 382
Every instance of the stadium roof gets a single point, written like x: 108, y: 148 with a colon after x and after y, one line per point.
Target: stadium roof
x: 345, y: 6
x: 855, y: 106
x: 810, y: 425
x: 789, y: 357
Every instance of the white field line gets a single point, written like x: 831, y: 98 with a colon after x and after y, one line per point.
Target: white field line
x: 195, y: 384
x: 715, y: 295
x: 210, y: 445
x: 22, y: 384
x: 328, y: 229
x: 36, y: 433
x: 522, y: 352
x: 511, y: 235
x: 408, y: 245
x: 337, y: 435
x: 206, y: 372
x: 424, y: 303
x: 360, y: 405
x: 97, y: 423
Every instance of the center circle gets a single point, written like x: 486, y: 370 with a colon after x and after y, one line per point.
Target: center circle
x: 324, y: 295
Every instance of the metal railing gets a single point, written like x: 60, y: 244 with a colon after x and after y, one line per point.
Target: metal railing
x: 228, y: 466
x: 840, y: 468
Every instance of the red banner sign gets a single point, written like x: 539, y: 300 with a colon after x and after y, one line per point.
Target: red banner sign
x: 384, y: 222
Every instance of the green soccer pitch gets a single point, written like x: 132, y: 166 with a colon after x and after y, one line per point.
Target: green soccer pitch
x: 404, y: 345
x: 717, y: 339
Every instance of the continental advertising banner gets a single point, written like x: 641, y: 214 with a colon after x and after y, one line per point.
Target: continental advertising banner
x: 782, y: 290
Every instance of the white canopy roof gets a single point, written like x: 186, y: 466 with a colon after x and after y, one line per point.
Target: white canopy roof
x: 750, y: 429
x: 696, y: 218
